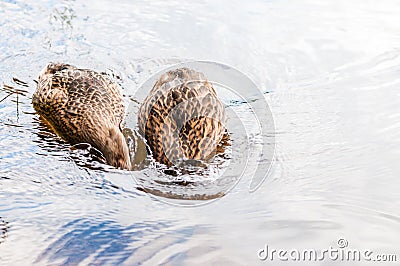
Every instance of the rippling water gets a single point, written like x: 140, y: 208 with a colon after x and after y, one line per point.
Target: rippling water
x: 329, y: 71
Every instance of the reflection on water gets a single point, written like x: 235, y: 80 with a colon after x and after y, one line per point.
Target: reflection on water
x: 329, y: 71
x: 107, y: 242
x: 64, y: 16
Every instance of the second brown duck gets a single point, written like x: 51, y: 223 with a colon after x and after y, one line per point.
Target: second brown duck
x: 182, y: 117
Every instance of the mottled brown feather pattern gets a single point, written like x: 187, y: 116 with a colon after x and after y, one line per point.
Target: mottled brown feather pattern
x: 182, y: 117
x: 82, y: 105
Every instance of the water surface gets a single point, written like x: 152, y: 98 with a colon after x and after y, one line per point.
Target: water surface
x: 329, y: 71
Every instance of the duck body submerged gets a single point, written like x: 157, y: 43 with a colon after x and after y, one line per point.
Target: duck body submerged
x: 182, y: 117
x: 83, y: 106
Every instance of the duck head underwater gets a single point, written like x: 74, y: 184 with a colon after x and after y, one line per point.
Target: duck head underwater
x: 83, y: 106
x: 181, y: 118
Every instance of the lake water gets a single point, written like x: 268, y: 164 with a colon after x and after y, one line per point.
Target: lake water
x: 330, y: 74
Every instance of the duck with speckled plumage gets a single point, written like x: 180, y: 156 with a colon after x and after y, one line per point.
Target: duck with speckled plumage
x: 181, y: 118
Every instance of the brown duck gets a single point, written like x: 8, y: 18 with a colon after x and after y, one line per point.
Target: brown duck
x: 182, y: 118
x: 83, y: 106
